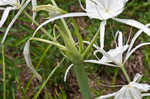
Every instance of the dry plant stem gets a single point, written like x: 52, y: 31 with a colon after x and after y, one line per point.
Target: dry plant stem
x: 4, y: 73
x: 37, y: 66
x: 125, y: 73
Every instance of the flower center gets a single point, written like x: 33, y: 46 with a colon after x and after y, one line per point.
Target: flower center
x: 129, y: 86
x: 18, y: 5
x: 106, y: 10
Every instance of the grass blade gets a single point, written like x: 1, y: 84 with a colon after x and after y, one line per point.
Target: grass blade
x: 4, y: 73
x: 45, y: 82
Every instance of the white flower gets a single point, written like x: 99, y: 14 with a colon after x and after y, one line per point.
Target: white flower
x: 7, y: 6
x: 113, y: 57
x: 131, y: 91
x: 102, y: 10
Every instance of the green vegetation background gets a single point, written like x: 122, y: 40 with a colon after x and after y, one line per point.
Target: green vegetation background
x: 17, y: 74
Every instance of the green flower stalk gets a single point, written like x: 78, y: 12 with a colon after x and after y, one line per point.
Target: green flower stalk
x: 75, y: 55
x: 4, y: 73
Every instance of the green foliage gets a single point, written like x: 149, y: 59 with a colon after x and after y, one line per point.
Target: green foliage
x: 22, y: 31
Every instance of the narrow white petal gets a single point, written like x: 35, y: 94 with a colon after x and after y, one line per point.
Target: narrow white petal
x: 102, y: 33
x: 145, y: 94
x: 137, y: 77
x: 59, y: 17
x: 34, y: 4
x: 120, y: 40
x: 14, y: 19
x: 134, y: 23
x: 4, y: 16
x: 94, y: 45
x: 106, y: 96
x: 135, y: 37
x: 81, y: 5
x: 133, y: 50
x: 99, y: 62
x: 2, y: 8
x: 107, y: 55
x: 66, y: 73
x: 95, y: 54
x: 142, y: 87
x: 27, y: 57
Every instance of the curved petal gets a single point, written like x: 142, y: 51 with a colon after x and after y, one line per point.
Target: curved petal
x: 59, y: 17
x: 81, y: 5
x: 2, y: 8
x: 135, y: 37
x: 66, y: 73
x: 107, y: 55
x: 4, y: 16
x: 137, y: 77
x: 141, y: 87
x: 94, y: 45
x: 134, y: 23
x: 14, y: 19
x: 145, y: 94
x: 133, y: 50
x: 120, y: 38
x: 98, y: 62
x: 102, y: 33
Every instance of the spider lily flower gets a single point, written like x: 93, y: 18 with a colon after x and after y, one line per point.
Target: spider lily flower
x: 7, y: 6
x: 113, y: 57
x: 102, y: 10
x: 131, y: 91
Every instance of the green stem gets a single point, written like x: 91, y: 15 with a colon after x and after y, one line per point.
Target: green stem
x: 82, y: 79
x: 50, y: 42
x: 125, y: 73
x: 37, y: 24
x: 81, y: 75
x: 78, y: 35
x: 64, y: 23
x: 4, y: 73
x: 45, y: 82
x: 90, y: 45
